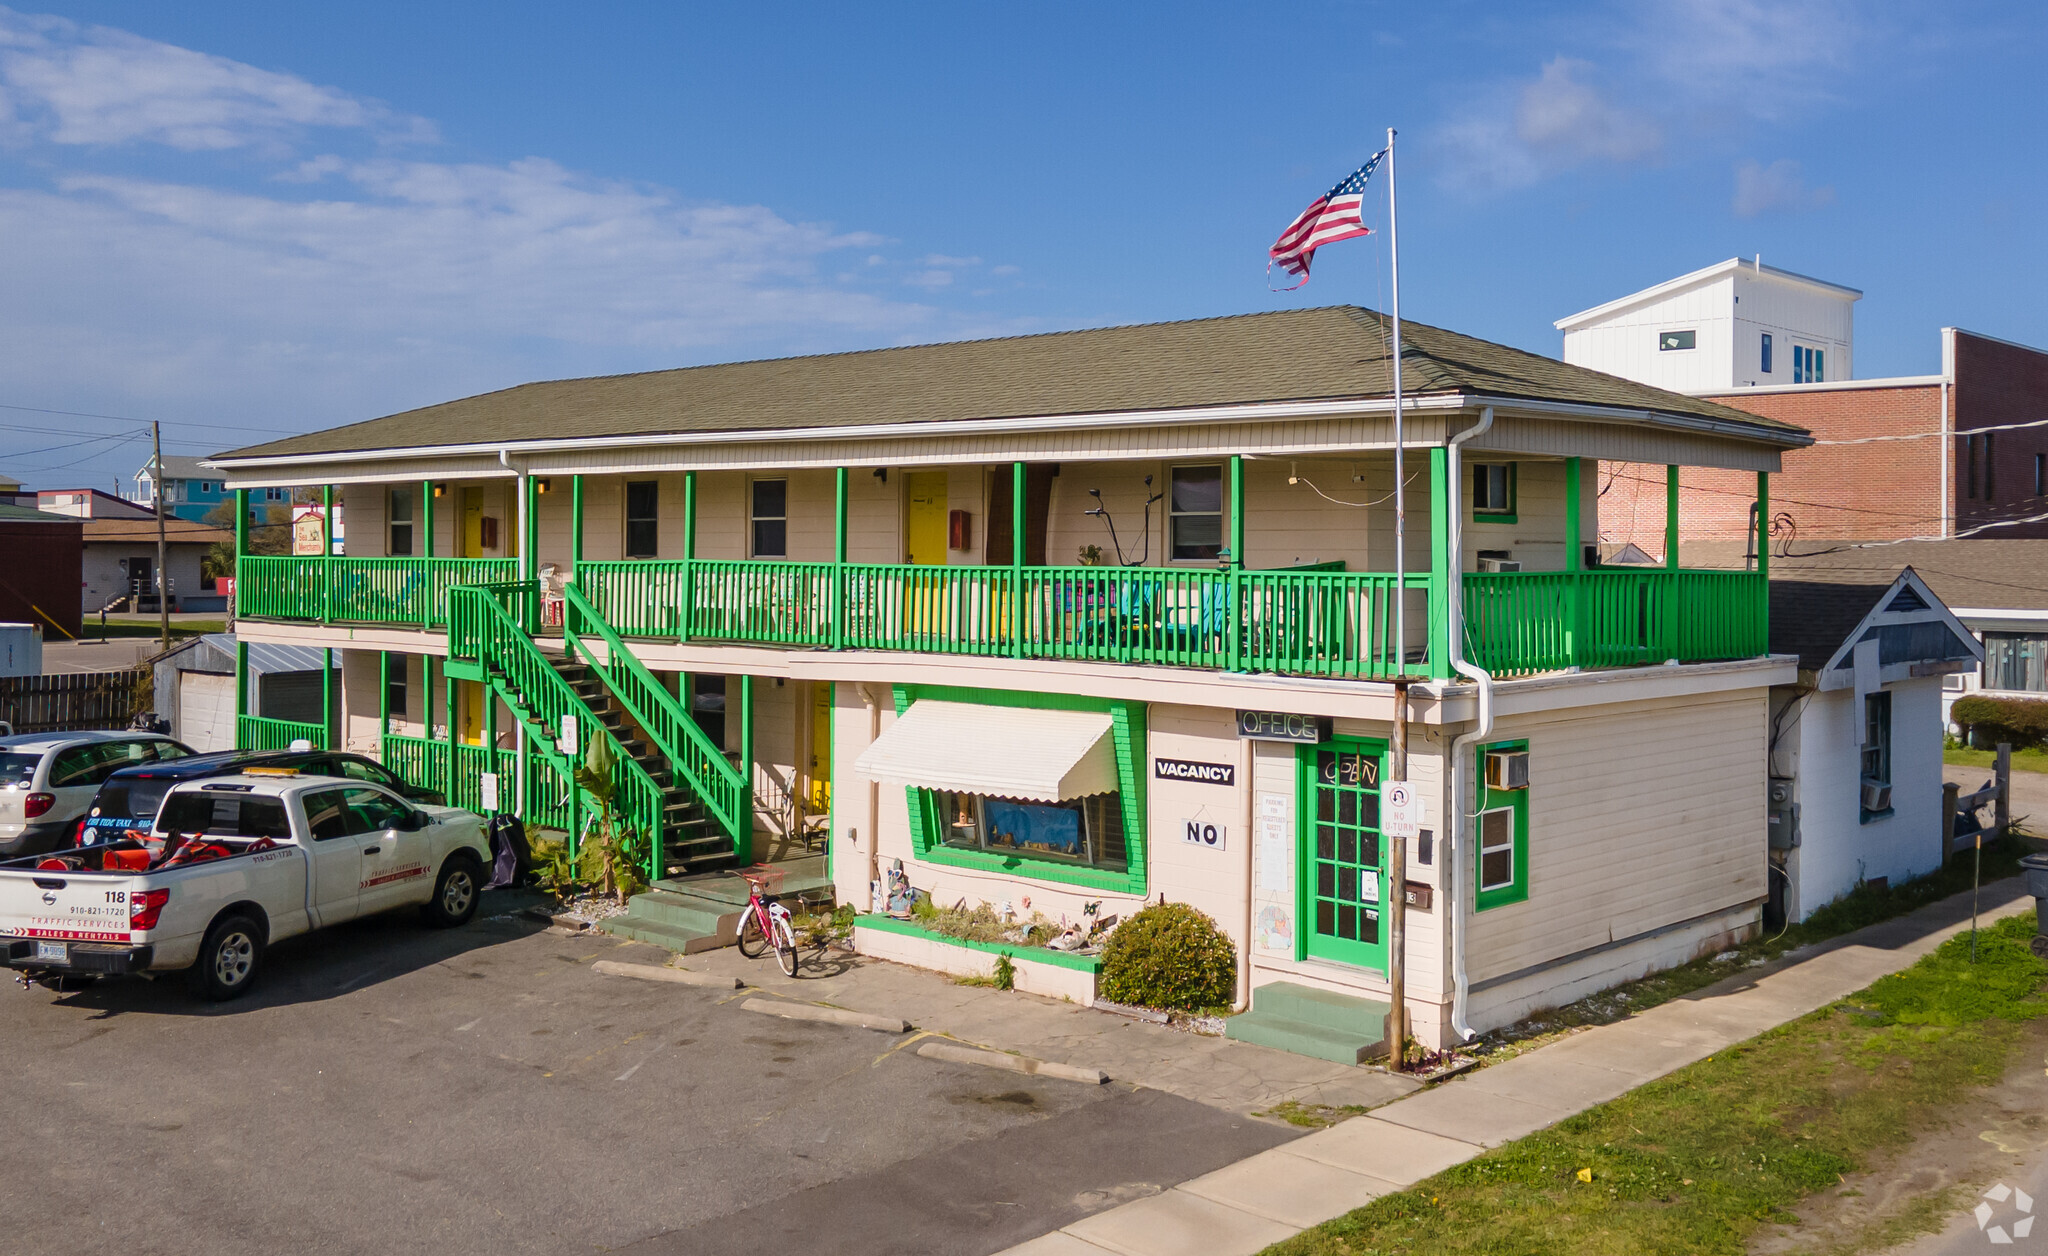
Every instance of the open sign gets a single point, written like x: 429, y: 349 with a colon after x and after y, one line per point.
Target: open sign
x: 1203, y: 833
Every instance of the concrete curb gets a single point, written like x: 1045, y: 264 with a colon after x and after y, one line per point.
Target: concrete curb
x: 828, y: 1015
x: 1014, y: 1063
x: 655, y: 972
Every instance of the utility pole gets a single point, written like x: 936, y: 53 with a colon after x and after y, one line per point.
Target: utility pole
x: 163, y: 577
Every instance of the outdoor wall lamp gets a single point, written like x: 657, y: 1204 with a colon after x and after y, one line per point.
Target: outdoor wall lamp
x: 543, y: 484
x: 882, y: 474
x: 440, y: 490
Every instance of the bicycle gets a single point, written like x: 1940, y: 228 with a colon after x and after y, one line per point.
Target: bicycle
x: 763, y: 919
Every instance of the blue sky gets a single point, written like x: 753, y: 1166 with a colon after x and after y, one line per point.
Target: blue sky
x: 245, y: 218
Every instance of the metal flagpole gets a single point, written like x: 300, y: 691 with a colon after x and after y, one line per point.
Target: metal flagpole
x: 1396, y: 905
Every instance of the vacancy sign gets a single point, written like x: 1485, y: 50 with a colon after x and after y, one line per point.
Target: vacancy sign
x: 1401, y: 810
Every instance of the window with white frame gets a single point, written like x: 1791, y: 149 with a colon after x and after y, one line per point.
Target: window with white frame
x: 401, y: 523
x: 1497, y: 848
x: 1493, y: 488
x: 769, y: 518
x: 1808, y: 365
x: 1877, y: 738
x: 1195, y: 512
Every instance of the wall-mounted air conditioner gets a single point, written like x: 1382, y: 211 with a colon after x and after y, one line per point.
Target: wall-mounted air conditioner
x: 1507, y: 769
x: 1877, y: 795
x: 1498, y: 562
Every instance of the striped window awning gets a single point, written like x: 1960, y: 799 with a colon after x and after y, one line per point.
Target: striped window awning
x: 997, y: 751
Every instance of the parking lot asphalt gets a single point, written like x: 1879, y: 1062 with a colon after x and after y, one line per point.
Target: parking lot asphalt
x: 389, y: 1087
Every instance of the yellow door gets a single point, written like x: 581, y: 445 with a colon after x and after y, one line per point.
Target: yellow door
x: 925, y: 525
x: 472, y: 523
x: 821, y: 748
x: 469, y: 699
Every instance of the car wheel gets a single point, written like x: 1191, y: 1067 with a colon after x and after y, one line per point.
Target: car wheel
x: 229, y: 959
x: 456, y: 892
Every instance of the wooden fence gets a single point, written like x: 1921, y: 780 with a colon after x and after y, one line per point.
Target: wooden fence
x: 65, y: 702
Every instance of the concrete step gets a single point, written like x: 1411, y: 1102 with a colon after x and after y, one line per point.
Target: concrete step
x: 1322, y: 1024
x: 800, y: 876
x: 682, y: 913
x: 682, y: 941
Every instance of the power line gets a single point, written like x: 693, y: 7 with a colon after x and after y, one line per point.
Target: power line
x: 1971, y: 431
x: 123, y: 418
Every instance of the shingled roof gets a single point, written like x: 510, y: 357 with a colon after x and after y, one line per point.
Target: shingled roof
x: 1331, y: 353
x: 1969, y: 572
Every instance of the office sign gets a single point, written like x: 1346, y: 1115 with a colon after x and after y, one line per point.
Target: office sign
x: 1190, y: 770
x: 1281, y: 726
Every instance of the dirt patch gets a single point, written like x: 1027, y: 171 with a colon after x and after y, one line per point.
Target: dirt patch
x: 1915, y: 1190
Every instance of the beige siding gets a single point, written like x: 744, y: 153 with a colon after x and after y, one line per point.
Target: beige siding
x: 1640, y: 816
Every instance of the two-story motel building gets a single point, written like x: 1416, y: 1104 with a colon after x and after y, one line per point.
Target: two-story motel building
x: 1097, y: 616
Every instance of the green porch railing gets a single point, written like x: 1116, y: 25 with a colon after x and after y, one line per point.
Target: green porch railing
x: 254, y: 732
x: 717, y: 784
x: 423, y: 761
x: 1522, y: 622
x: 490, y: 637
x: 1312, y: 622
x: 404, y: 591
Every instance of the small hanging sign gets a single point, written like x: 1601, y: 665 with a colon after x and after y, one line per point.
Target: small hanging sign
x: 487, y: 787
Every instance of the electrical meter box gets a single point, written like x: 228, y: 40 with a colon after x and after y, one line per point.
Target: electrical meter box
x: 1781, y: 814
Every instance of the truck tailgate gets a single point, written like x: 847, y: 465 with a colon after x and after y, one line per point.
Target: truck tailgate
x: 82, y: 907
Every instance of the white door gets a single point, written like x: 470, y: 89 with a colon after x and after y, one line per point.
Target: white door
x: 402, y: 873
x: 206, y: 711
x: 342, y: 857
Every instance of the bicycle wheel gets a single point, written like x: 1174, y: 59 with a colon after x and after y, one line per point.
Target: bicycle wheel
x: 785, y: 947
x: 752, y: 940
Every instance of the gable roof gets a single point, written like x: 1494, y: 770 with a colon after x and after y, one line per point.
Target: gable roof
x: 1706, y: 274
x: 1331, y: 353
x: 1819, y: 614
x: 178, y: 467
x: 11, y: 513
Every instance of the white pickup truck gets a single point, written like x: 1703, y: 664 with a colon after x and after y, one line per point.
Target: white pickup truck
x: 233, y: 864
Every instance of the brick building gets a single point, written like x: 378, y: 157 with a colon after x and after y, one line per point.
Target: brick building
x: 1910, y: 483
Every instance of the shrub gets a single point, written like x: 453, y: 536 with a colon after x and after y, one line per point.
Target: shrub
x: 1170, y: 956
x: 1988, y: 721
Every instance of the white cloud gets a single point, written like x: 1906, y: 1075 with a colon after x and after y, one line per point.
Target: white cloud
x: 1751, y: 58
x: 72, y: 84
x: 1561, y: 116
x: 949, y: 263
x: 318, y: 288
x: 1780, y: 186
x: 929, y: 279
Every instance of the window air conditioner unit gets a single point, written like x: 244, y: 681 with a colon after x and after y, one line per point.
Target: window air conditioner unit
x: 1489, y: 563
x: 1877, y: 795
x: 1507, y: 769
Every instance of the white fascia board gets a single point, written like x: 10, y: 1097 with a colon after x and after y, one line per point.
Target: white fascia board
x: 2005, y: 617
x: 246, y: 470
x: 1703, y: 275
x: 1832, y: 385
x: 1936, y: 611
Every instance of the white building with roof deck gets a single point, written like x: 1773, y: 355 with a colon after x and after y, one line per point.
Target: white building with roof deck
x: 1735, y: 324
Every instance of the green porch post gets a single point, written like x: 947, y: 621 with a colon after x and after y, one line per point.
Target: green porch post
x: 1440, y: 564
x: 448, y: 714
x: 1762, y: 641
x: 839, y: 558
x: 326, y: 553
x: 241, y: 546
x: 1017, y: 481
x: 575, y: 524
x: 1234, y: 594
x: 427, y: 518
x: 1575, y: 597
x: 530, y: 546
x: 685, y: 625
x: 744, y: 848
x: 1671, y: 517
x: 326, y: 699
x: 241, y: 687
x: 383, y: 698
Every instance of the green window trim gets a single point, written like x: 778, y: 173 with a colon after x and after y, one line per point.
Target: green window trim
x: 1127, y: 731
x: 1516, y: 801
x: 1509, y: 515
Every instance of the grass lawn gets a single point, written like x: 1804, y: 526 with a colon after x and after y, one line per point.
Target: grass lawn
x: 1696, y: 1162
x: 90, y: 630
x: 1865, y: 905
x: 2032, y: 759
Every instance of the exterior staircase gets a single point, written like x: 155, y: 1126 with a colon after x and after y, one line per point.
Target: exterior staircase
x: 693, y: 816
x: 1323, y: 1024
x: 690, y: 842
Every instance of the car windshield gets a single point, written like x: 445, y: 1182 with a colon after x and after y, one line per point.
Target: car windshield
x: 16, y: 768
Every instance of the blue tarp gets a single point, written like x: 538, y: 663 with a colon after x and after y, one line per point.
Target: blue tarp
x: 1028, y: 824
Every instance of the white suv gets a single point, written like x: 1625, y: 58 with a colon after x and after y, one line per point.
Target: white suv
x: 47, y: 780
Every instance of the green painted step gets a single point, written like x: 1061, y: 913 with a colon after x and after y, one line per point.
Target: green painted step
x: 1322, y: 1024
x: 654, y: 933
x: 799, y: 876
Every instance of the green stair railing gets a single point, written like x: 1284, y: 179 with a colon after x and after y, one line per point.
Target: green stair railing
x: 703, y: 767
x: 489, y: 633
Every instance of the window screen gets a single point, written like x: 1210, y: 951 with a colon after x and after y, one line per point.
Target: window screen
x: 1497, y: 848
x: 401, y: 523
x: 770, y: 518
x: 1195, y: 512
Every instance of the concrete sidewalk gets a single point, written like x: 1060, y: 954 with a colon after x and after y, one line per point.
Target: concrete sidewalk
x: 1246, y: 1206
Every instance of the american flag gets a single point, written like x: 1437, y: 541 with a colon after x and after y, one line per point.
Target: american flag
x: 1333, y: 216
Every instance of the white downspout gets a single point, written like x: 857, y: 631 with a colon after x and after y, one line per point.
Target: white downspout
x: 874, y: 707
x: 1454, y: 818
x: 525, y: 573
